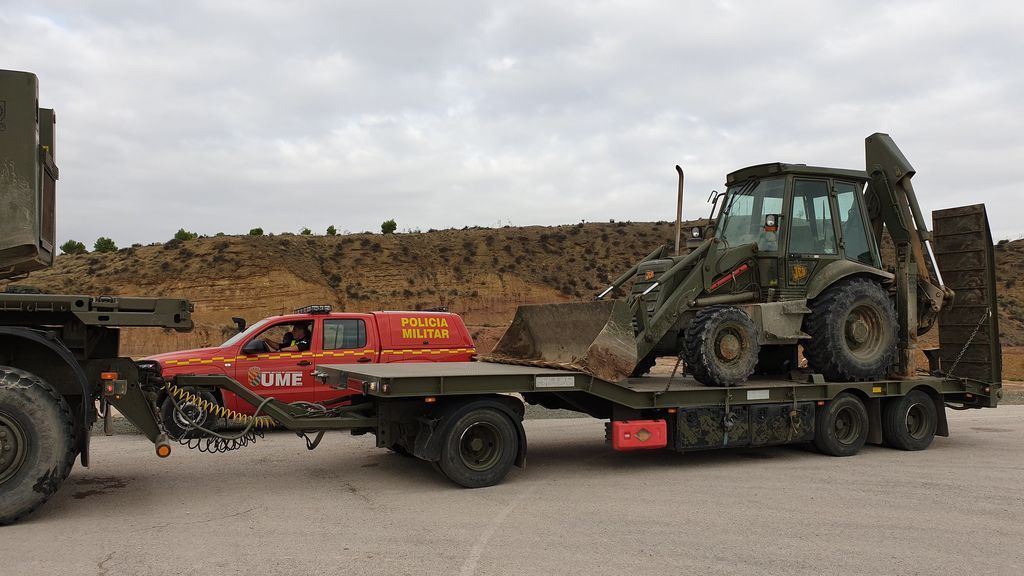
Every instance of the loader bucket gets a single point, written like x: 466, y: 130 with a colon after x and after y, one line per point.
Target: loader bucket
x: 593, y: 337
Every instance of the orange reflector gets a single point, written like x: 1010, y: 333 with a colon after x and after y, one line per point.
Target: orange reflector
x: 821, y: 402
x: 672, y: 410
x: 108, y: 375
x: 430, y: 399
x: 163, y: 450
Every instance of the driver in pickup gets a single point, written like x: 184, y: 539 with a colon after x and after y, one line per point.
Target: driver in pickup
x: 298, y: 342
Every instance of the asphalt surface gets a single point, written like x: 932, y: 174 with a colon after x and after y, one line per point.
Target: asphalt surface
x: 578, y: 508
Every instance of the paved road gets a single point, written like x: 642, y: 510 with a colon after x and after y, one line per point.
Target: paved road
x: 579, y: 508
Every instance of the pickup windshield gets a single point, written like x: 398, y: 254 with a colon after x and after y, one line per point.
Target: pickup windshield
x: 245, y: 334
x: 746, y: 204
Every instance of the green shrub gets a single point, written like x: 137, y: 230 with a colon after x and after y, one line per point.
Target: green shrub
x: 104, y: 244
x: 332, y: 231
x: 256, y: 232
x: 72, y: 247
x: 388, y: 227
x: 183, y: 234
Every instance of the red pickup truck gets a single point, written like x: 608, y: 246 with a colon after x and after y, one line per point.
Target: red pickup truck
x: 278, y: 355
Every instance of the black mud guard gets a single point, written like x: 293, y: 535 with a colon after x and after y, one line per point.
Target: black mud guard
x: 434, y: 427
x: 54, y: 345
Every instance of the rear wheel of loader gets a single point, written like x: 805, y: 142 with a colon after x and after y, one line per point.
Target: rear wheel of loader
x: 37, y: 443
x: 479, y: 448
x: 853, y: 332
x: 909, y: 422
x: 721, y: 346
x: 841, y: 426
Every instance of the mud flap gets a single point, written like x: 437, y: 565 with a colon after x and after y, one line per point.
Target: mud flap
x: 963, y: 248
x: 593, y: 337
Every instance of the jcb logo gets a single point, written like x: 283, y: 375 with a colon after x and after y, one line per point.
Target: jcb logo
x: 258, y: 378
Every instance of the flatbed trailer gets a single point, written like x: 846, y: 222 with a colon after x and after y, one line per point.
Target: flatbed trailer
x: 466, y: 417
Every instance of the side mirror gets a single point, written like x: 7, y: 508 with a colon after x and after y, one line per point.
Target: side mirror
x: 240, y: 322
x: 771, y: 222
x: 256, y: 346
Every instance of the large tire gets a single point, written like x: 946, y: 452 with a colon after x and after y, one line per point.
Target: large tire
x: 37, y: 443
x: 175, y: 425
x: 853, y: 332
x: 479, y: 448
x: 721, y: 346
x: 841, y: 426
x: 909, y: 422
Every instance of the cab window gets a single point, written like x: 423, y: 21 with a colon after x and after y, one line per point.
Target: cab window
x: 746, y: 207
x: 810, y: 230
x: 855, y: 236
x: 344, y: 334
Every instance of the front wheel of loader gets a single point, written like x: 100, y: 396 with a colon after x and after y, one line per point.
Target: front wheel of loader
x: 37, y: 443
x: 721, y: 346
x: 853, y: 332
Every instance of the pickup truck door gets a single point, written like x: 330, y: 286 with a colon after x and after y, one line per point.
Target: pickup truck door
x: 287, y: 376
x: 346, y: 339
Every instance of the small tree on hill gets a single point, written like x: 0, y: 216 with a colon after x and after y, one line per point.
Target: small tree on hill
x: 183, y: 234
x: 388, y: 227
x: 332, y: 231
x: 104, y: 244
x: 256, y: 232
x: 72, y: 247
x: 305, y: 231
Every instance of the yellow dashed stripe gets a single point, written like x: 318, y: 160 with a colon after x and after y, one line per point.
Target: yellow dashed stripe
x: 327, y: 354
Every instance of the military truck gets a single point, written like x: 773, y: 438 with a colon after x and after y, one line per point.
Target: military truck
x: 790, y: 263
x: 59, y: 357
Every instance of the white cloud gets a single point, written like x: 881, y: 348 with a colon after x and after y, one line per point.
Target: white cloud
x: 223, y: 116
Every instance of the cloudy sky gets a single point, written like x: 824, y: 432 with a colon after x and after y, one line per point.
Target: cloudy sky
x: 223, y: 116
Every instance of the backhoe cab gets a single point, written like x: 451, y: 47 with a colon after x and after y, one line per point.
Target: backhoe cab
x: 792, y: 258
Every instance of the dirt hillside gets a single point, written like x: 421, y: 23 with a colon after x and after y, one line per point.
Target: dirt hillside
x: 479, y: 273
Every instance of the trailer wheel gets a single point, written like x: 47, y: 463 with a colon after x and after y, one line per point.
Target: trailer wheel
x: 909, y: 422
x: 841, y: 426
x: 37, y: 443
x: 176, y: 425
x: 721, y: 346
x: 853, y: 332
x: 479, y: 448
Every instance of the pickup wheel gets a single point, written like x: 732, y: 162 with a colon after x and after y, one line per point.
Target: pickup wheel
x: 479, y: 448
x: 176, y: 424
x: 909, y: 422
x: 37, y: 443
x: 721, y: 346
x: 841, y: 426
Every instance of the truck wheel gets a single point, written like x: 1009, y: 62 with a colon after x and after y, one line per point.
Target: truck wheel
x: 909, y: 422
x: 841, y: 426
x: 176, y: 425
x: 721, y: 346
x: 37, y: 443
x: 853, y: 332
x: 479, y: 448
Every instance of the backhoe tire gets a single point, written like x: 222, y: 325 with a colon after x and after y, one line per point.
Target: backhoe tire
x: 721, y: 346
x: 38, y: 443
x: 479, y: 448
x: 909, y: 422
x: 176, y: 426
x: 841, y: 426
x: 852, y: 326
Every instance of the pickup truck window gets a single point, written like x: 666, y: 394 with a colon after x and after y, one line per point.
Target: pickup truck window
x: 344, y: 334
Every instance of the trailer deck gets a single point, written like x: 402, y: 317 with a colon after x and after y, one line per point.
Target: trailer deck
x: 649, y: 392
